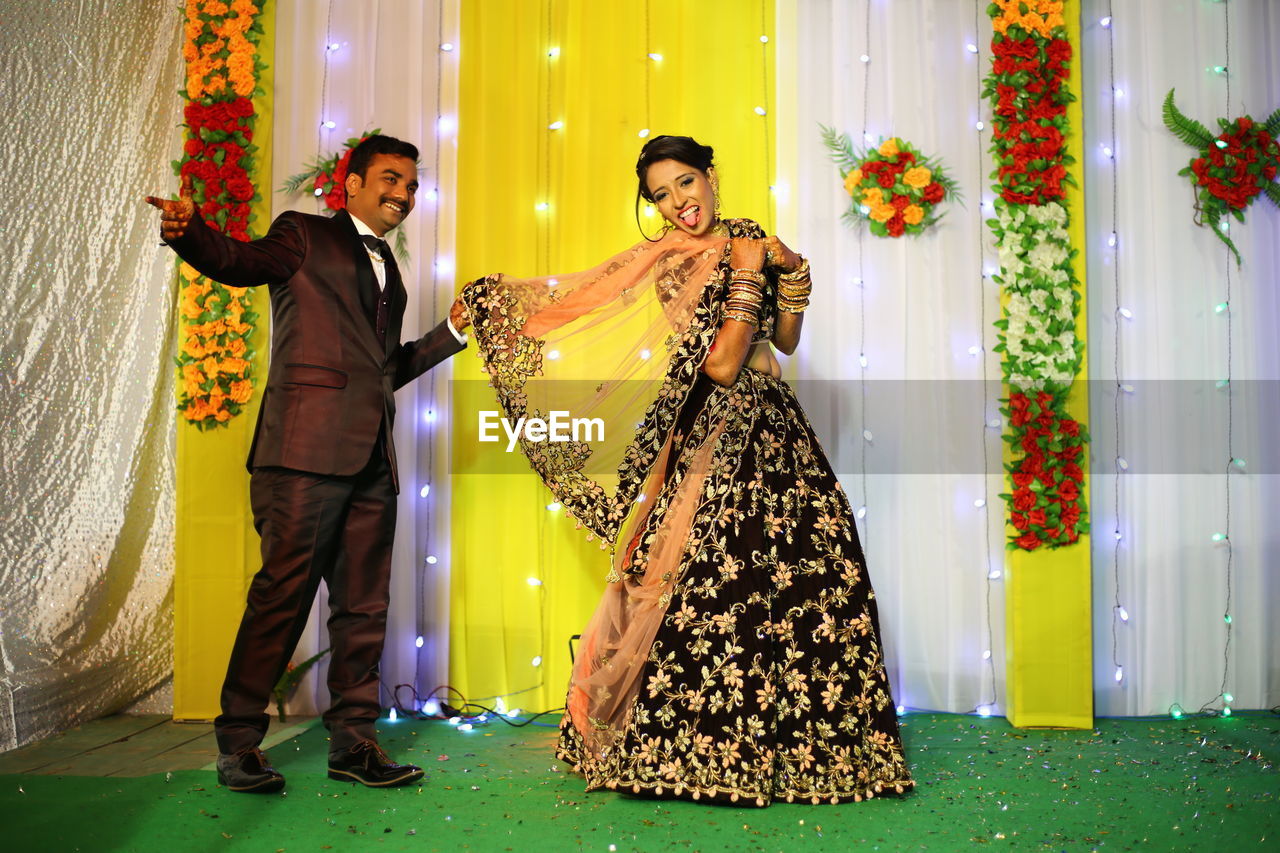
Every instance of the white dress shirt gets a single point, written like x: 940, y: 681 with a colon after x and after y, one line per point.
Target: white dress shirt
x: 380, y: 271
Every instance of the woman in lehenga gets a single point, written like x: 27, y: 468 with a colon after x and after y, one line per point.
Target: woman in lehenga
x: 735, y: 655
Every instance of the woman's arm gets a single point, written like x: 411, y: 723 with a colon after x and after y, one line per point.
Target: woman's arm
x: 786, y: 330
x: 727, y: 353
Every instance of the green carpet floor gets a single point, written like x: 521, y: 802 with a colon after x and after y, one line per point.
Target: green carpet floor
x: 1192, y: 784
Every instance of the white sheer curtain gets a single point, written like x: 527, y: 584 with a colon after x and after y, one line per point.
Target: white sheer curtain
x: 919, y: 312
x: 922, y: 305
x: 1172, y: 575
x: 366, y: 64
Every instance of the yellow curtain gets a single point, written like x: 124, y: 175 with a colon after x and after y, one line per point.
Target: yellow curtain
x: 216, y: 547
x: 553, y: 97
x: 1048, y: 593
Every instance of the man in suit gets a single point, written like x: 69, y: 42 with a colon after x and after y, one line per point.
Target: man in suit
x: 323, y: 467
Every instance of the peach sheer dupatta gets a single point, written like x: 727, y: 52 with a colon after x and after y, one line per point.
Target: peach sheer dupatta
x: 621, y: 344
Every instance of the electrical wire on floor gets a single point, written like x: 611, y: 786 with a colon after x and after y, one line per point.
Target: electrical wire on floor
x: 448, y: 703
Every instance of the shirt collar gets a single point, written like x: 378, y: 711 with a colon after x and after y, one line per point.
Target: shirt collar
x: 361, y: 228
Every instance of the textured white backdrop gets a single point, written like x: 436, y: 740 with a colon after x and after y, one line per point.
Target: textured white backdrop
x: 86, y: 377
x: 927, y: 544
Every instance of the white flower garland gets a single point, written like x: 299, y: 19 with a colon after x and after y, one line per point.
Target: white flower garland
x: 1038, y: 332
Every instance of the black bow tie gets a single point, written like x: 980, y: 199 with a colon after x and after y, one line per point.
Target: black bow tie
x: 376, y: 245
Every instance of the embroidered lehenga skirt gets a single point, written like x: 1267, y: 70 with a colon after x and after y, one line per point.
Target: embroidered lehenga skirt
x: 765, y: 679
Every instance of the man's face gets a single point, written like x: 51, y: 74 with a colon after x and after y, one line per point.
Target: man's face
x: 386, y: 193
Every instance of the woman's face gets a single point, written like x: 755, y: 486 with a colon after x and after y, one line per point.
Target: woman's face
x: 682, y: 194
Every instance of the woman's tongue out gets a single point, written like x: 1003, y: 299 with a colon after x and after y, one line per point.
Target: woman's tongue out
x: 691, y: 216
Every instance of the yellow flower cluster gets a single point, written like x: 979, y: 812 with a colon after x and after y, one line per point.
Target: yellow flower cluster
x: 917, y: 177
x: 230, y: 58
x: 214, y: 350
x: 1041, y: 17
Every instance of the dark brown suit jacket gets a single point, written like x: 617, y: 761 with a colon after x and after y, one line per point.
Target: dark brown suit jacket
x: 330, y: 383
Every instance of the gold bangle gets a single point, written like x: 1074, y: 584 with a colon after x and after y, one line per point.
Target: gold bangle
x: 793, y: 308
x: 743, y: 317
x: 753, y: 276
x: 798, y: 275
x: 750, y: 291
x: 795, y: 292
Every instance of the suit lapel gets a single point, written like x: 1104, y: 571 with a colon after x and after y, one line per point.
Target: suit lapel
x: 366, y: 285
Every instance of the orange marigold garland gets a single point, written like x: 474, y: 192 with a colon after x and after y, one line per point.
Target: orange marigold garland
x: 214, y: 357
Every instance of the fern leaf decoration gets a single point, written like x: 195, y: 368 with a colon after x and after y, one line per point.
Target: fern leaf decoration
x: 1187, y: 129
x: 840, y: 146
x: 1272, y: 124
x: 1272, y: 192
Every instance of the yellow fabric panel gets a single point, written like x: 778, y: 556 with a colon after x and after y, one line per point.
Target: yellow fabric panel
x: 1048, y: 593
x: 711, y: 77
x: 216, y: 547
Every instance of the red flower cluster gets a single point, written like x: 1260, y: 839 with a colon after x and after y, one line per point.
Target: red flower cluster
x: 1045, y: 504
x: 1028, y: 86
x: 332, y: 184
x: 1239, y: 164
x: 217, y: 155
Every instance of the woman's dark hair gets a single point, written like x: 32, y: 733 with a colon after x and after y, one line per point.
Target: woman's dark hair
x: 363, y: 153
x: 684, y: 149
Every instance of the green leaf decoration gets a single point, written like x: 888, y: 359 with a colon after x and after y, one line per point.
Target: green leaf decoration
x: 840, y: 146
x: 1272, y: 191
x: 1188, y: 130
x: 1272, y: 124
x: 1214, y: 220
x: 290, y: 680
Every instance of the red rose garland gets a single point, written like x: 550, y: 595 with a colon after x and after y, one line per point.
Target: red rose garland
x: 214, y: 356
x: 1029, y: 93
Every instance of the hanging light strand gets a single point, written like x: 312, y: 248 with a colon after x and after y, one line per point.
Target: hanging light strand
x: 1223, y: 694
x: 1118, y: 612
x: 990, y: 571
x: 764, y: 125
x: 862, y: 300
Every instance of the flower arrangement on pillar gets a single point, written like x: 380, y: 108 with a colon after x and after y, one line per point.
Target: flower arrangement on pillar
x: 215, y: 358
x: 1029, y: 94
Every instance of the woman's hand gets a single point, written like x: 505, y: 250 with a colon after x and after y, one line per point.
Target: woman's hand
x: 778, y: 256
x: 458, y: 315
x: 747, y: 253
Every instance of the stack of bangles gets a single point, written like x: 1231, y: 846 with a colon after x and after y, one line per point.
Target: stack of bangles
x: 746, y: 293
x: 794, y: 288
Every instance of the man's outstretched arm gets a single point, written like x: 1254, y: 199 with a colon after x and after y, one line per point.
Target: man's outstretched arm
x: 272, y: 259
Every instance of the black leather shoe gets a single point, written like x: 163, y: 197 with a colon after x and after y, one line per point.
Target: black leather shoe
x: 247, y: 772
x: 367, y: 764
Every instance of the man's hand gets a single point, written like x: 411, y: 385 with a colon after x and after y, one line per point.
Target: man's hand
x: 175, y: 216
x: 458, y: 315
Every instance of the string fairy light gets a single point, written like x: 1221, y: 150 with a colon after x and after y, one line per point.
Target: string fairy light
x: 1119, y: 613
x: 763, y: 112
x: 861, y: 282
x: 980, y: 352
x: 1231, y: 464
x: 441, y: 273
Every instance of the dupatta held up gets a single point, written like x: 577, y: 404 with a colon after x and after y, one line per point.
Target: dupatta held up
x: 622, y: 342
